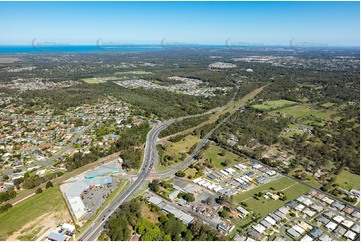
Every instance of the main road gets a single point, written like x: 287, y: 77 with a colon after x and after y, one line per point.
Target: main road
x: 149, y: 161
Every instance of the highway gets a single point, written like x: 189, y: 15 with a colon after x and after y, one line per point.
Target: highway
x: 149, y: 160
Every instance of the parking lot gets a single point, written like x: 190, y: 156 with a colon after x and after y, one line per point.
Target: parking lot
x: 95, y: 197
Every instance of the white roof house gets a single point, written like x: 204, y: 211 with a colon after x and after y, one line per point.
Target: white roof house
x: 338, y: 218
x: 347, y: 223
x: 306, y: 238
x: 259, y: 228
x: 328, y: 200
x: 217, y: 189
x: 207, y: 184
x: 242, y: 210
x: 212, y: 186
x: 298, y: 229
x: 224, y: 172
x: 270, y: 220
x: 173, y: 195
x: 331, y: 226
x: 350, y: 235
x: 300, y: 207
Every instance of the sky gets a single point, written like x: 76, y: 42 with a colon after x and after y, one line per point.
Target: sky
x: 257, y: 23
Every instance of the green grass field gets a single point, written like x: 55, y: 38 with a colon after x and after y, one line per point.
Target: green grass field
x: 304, y: 110
x: 212, y: 154
x: 190, y: 172
x: 97, y: 80
x: 182, y: 146
x: 267, y: 105
x: 291, y: 188
x: 174, y: 149
x: 314, y: 184
x: 49, y: 202
x: 133, y: 73
x: 327, y: 105
x: 348, y: 180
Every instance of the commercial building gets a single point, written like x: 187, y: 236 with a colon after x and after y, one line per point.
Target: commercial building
x: 63, y: 233
x: 184, y: 217
x: 104, y: 169
x: 77, y: 189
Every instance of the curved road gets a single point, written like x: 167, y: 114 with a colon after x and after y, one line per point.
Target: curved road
x: 150, y: 157
x: 149, y: 161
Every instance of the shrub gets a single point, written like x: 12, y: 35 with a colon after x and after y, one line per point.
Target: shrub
x: 49, y: 184
x: 39, y: 190
x: 5, y: 207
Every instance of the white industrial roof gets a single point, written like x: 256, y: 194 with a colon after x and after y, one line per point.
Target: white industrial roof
x: 186, y: 218
x: 77, y: 206
x: 155, y: 200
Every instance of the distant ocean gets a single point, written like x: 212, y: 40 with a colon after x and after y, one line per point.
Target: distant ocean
x: 23, y: 49
x: 12, y: 49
